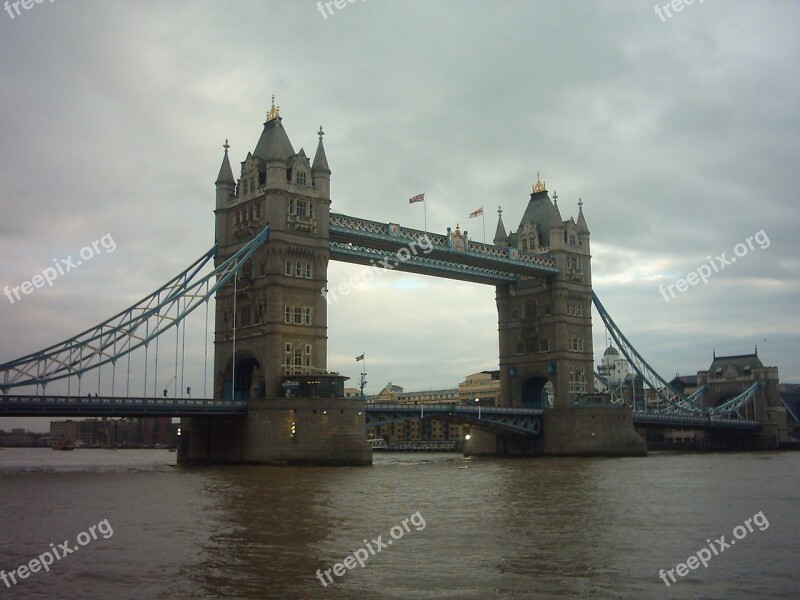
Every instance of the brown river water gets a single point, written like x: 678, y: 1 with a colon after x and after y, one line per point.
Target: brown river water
x: 140, y: 527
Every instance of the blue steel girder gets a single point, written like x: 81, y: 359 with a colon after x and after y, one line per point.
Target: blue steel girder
x: 677, y: 403
x: 93, y: 406
x: 392, y: 238
x: 419, y: 264
x: 497, y: 419
x: 692, y: 421
x: 132, y: 328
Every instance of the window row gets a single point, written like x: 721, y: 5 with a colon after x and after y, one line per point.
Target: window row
x: 577, y: 379
x: 575, y: 309
x: 300, y: 207
x: 297, y: 360
x: 247, y: 213
x: 299, y: 268
x: 532, y: 344
x: 248, y: 185
x: 576, y: 344
x: 245, y: 316
x: 574, y: 262
x: 297, y: 315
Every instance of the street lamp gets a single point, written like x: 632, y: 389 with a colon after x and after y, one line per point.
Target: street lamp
x: 478, y: 400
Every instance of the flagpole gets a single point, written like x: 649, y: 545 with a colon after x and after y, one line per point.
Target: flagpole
x: 425, y: 212
x: 483, y: 216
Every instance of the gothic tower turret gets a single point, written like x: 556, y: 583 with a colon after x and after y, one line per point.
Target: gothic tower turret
x: 545, y: 324
x: 273, y: 321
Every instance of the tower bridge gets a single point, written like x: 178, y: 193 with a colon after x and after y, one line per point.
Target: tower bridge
x: 273, y: 399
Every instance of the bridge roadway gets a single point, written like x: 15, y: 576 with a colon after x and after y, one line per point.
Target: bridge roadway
x: 366, y: 242
x: 105, y: 406
x: 525, y: 421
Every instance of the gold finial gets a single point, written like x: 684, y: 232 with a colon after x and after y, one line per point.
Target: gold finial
x: 226, y: 145
x: 500, y: 211
x: 580, y: 203
x: 320, y: 133
x: 539, y: 186
x: 274, y: 112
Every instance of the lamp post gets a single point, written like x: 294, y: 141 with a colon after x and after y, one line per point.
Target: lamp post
x: 478, y: 400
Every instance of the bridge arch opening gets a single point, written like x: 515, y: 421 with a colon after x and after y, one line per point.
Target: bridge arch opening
x: 249, y: 381
x: 537, y: 392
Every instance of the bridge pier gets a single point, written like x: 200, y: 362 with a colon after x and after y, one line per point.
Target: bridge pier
x: 575, y: 431
x: 281, y: 431
x: 591, y: 431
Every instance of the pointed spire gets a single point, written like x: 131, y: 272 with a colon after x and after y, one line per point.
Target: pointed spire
x: 320, y: 160
x: 539, y: 186
x: 500, y: 235
x: 273, y: 144
x: 582, y: 227
x: 225, y: 171
x: 556, y: 221
x: 274, y: 112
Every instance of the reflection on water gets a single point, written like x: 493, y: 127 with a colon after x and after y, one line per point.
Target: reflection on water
x: 495, y: 528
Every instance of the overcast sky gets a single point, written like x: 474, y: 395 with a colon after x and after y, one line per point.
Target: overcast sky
x: 680, y: 133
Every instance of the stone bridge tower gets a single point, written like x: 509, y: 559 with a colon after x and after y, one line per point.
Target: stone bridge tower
x: 279, y: 323
x: 545, y: 325
x: 270, y: 340
x: 545, y: 331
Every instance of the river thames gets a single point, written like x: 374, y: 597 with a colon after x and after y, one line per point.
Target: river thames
x: 140, y: 527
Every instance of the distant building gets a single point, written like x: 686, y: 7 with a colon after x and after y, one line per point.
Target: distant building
x: 484, y: 385
x: 416, y: 430
x: 388, y: 394
x: 619, y: 378
x: 150, y: 432
x: 20, y: 438
x: 685, y: 384
x: 64, y: 433
x: 447, y: 396
x: 729, y: 376
x: 614, y: 368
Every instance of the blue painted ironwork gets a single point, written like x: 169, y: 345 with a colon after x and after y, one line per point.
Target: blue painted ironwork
x: 735, y: 404
x: 419, y: 264
x: 364, y: 233
x: 132, y: 328
x: 692, y: 421
x: 527, y: 421
x: 93, y: 406
x: 676, y: 401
